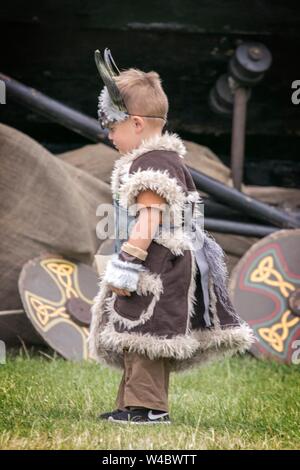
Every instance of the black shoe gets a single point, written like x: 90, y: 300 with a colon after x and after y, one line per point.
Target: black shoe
x: 140, y: 416
x: 108, y: 414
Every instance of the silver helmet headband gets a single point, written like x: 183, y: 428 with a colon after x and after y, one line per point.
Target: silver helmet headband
x: 111, y: 107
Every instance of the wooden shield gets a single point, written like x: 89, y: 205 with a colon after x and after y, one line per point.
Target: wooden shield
x: 57, y: 295
x: 265, y: 290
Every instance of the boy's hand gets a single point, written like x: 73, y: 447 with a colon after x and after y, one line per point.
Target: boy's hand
x: 123, y: 292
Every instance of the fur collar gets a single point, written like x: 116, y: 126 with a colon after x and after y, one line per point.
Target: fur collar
x: 167, y: 141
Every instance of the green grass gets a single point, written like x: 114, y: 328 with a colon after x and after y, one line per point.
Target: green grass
x: 240, y: 403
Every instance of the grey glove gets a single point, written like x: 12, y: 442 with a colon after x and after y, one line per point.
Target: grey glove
x: 123, y: 274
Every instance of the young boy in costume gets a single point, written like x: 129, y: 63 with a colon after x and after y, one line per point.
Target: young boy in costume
x: 162, y: 304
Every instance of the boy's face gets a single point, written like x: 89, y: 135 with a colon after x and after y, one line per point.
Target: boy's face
x: 124, y: 135
x: 127, y: 135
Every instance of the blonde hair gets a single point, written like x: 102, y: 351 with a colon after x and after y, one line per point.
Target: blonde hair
x: 143, y: 94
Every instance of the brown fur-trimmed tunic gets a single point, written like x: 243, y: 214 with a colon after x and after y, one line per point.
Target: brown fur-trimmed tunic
x: 165, y: 316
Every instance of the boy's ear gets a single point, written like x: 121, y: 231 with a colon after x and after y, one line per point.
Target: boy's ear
x: 138, y: 123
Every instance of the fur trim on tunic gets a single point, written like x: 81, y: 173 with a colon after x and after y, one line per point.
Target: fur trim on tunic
x: 149, y: 283
x: 126, y: 187
x: 167, y: 141
x: 196, y: 346
x: 123, y: 274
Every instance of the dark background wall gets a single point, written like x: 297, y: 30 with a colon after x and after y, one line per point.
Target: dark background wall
x: 49, y: 45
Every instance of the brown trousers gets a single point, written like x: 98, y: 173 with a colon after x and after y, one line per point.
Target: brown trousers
x: 145, y: 382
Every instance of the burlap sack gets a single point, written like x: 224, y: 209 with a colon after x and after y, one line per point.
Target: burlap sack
x: 46, y: 205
